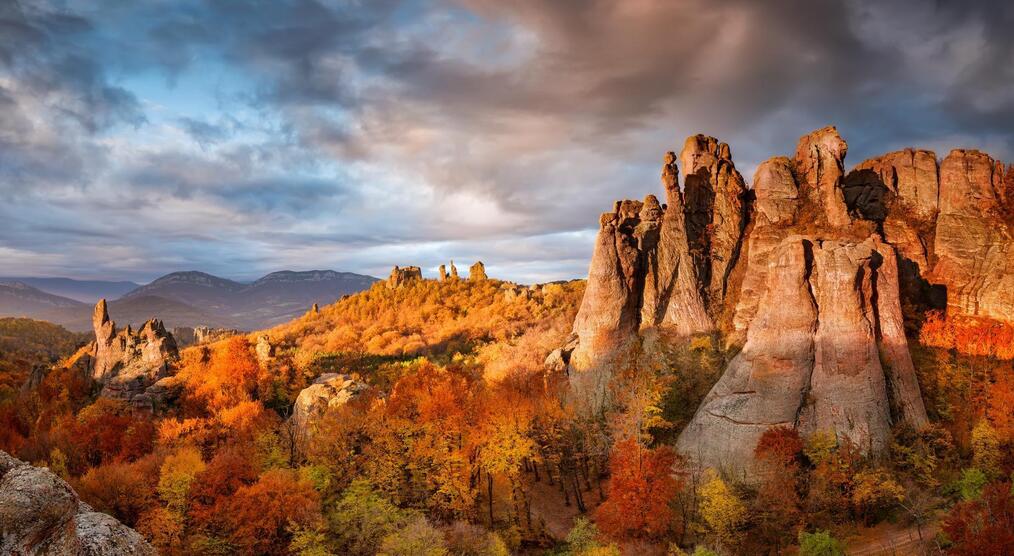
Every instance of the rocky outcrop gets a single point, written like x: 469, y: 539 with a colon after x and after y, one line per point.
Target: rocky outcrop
x: 442, y: 273
x: 328, y: 391
x: 403, y: 275
x: 197, y: 335
x: 775, y: 207
x: 715, y: 212
x: 911, y: 175
x: 819, y: 169
x: 819, y: 316
x: 811, y: 359
x: 127, y: 363
x: 809, y: 272
x: 477, y: 272
x: 609, y: 317
x: 642, y: 275
x: 973, y: 245
x: 454, y: 271
x: 41, y: 514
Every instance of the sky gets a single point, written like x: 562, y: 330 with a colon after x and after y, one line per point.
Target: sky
x: 240, y: 137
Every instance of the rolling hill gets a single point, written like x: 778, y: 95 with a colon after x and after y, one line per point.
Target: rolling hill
x: 85, y: 291
x: 187, y: 299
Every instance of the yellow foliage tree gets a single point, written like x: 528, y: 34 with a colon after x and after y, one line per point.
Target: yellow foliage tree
x: 722, y: 510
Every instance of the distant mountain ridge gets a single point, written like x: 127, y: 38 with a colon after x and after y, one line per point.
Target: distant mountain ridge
x: 85, y: 291
x: 191, y: 298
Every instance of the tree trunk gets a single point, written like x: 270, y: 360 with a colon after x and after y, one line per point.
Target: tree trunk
x: 577, y: 494
x: 489, y: 493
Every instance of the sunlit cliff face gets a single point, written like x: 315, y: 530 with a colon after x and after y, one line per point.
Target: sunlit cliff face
x: 144, y: 137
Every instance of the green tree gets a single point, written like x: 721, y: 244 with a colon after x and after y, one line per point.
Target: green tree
x: 362, y: 518
x: 971, y: 482
x: 819, y: 543
x: 583, y: 541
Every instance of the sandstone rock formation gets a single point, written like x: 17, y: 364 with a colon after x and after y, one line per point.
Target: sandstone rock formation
x: 820, y: 313
x: 127, y: 363
x: 809, y: 272
x: 910, y: 175
x: 443, y: 273
x: 819, y: 169
x: 197, y: 335
x: 41, y: 514
x: 811, y: 359
x: 973, y: 246
x: 715, y: 209
x: 454, y: 271
x: 329, y: 390
x: 477, y: 272
x: 403, y: 275
x: 609, y: 317
x: 797, y: 271
x: 642, y: 275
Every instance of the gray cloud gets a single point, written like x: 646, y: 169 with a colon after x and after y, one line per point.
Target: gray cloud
x: 138, y: 138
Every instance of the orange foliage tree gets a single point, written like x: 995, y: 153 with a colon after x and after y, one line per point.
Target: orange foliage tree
x: 968, y: 335
x: 258, y: 518
x: 641, y: 489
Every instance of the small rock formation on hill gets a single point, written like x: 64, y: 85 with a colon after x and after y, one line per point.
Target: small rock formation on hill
x: 403, y: 275
x: 265, y: 351
x: 442, y: 273
x: 477, y: 272
x: 329, y: 390
x: 454, y: 271
x: 41, y: 514
x: 197, y: 335
x: 128, y: 363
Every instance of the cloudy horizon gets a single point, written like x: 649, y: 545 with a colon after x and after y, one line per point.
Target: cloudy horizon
x: 240, y: 138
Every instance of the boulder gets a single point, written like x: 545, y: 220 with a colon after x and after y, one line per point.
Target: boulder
x: 328, y: 391
x: 41, y: 514
x: 265, y: 351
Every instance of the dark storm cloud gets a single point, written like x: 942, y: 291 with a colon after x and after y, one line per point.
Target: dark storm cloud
x: 225, y: 134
